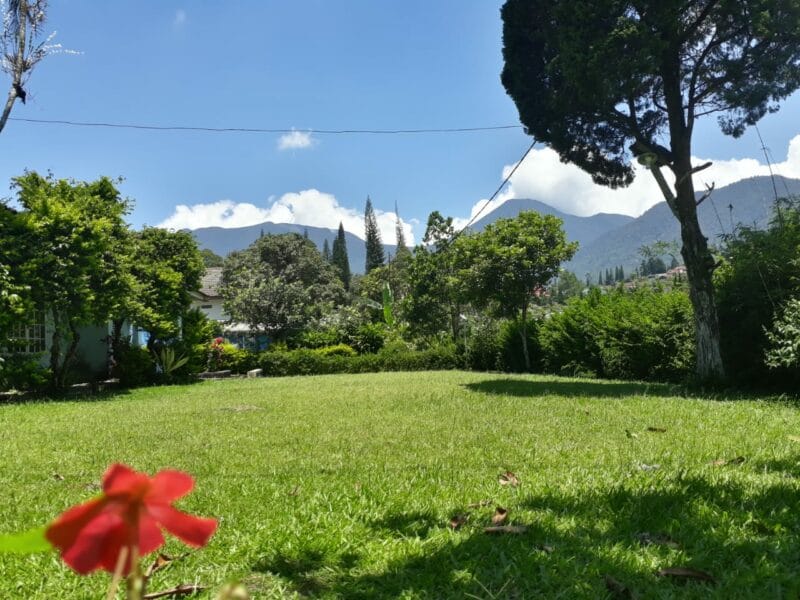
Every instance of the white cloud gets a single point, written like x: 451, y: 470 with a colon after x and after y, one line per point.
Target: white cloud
x: 296, y: 140
x: 545, y: 178
x: 180, y: 17
x: 308, y: 207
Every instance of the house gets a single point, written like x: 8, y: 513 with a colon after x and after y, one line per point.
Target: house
x: 208, y: 300
x: 679, y: 271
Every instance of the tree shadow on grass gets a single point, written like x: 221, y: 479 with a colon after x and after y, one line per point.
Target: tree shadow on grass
x: 523, y: 388
x: 747, y: 538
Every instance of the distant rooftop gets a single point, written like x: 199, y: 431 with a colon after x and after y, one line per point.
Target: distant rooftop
x: 210, y: 282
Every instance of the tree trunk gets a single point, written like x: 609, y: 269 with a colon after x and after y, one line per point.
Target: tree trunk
x: 69, y: 356
x: 55, y: 350
x: 18, y: 68
x: 524, y: 334
x: 699, y: 270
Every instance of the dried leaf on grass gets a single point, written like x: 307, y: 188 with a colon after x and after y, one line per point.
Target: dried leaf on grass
x: 657, y: 430
x: 508, y: 478
x: 480, y: 504
x: 686, y: 574
x: 186, y: 589
x: 58, y: 477
x: 619, y: 589
x: 794, y: 438
x: 161, y: 561
x: 630, y: 434
x: 646, y: 467
x: 657, y: 539
x: 233, y: 591
x: 295, y: 490
x: 547, y: 549
x: 721, y: 462
x: 506, y: 529
x: 500, y: 516
x: 456, y: 521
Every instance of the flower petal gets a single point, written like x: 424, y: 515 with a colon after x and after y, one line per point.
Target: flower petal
x: 63, y: 532
x: 150, y: 536
x: 195, y: 531
x: 169, y: 485
x: 100, y: 539
x: 122, y: 479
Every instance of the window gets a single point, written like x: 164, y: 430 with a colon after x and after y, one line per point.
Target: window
x: 29, y: 337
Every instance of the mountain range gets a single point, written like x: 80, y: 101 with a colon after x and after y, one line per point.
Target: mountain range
x: 605, y: 240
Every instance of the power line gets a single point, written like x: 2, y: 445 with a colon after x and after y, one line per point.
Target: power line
x: 496, y: 192
x: 262, y: 130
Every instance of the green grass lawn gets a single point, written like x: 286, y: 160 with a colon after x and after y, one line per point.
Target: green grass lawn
x: 344, y: 485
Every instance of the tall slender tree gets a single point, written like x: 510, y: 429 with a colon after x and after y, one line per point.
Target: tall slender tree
x: 339, y: 257
x: 372, y: 236
x: 402, y: 249
x: 607, y: 81
x: 326, y: 250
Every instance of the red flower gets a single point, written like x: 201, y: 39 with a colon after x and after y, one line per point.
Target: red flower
x: 129, y: 514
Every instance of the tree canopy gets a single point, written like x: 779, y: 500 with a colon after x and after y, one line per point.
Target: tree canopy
x: 605, y: 81
x: 372, y: 236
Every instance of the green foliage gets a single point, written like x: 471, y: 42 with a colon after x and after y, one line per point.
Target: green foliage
x: 388, y: 305
x: 68, y: 244
x: 210, y: 259
x: 372, y: 237
x: 27, y: 542
x: 22, y: 372
x: 279, y: 285
x: 368, y: 338
x: 483, y: 349
x: 644, y: 334
x: 168, y: 362
x: 134, y: 366
x: 784, y: 338
x: 238, y: 360
x: 339, y: 258
x: 337, y: 350
x: 759, y: 274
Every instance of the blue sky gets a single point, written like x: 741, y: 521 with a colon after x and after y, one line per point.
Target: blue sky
x: 306, y: 64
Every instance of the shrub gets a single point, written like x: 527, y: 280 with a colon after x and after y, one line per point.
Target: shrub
x: 644, y: 334
x: 134, y: 366
x: 509, y: 341
x: 784, y: 340
x: 22, y: 372
x: 337, y: 350
x: 368, y: 338
x: 483, y: 349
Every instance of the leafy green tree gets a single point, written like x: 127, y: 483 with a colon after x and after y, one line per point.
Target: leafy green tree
x: 436, y: 296
x: 339, y: 257
x: 210, y: 259
x: 279, y: 284
x: 511, y: 261
x: 372, y: 236
x: 567, y: 286
x: 68, y: 244
x: 604, y: 81
x: 166, y: 267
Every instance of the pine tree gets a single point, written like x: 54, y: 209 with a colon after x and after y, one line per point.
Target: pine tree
x: 326, y: 250
x: 305, y: 232
x: 402, y: 248
x: 261, y: 235
x: 621, y: 273
x: 600, y: 278
x: 339, y: 257
x: 372, y: 235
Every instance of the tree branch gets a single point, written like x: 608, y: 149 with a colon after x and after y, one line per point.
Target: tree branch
x: 706, y: 194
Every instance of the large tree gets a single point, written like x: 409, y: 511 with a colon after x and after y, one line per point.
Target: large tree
x: 279, y: 284
x: 68, y: 244
x: 372, y: 236
x: 604, y: 81
x: 512, y: 261
x: 339, y: 257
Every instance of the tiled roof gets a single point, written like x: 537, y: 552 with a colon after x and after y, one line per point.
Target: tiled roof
x: 210, y: 282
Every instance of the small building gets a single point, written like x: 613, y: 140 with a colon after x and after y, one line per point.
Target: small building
x: 208, y: 298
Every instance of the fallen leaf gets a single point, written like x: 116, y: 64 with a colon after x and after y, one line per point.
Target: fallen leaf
x: 186, y: 589
x: 500, y: 516
x: 630, y: 434
x: 721, y: 462
x: 357, y: 486
x: 481, y: 504
x: 514, y: 529
x: 657, y: 539
x: 646, y: 467
x: 794, y: 438
x: 92, y: 486
x: 58, y: 477
x: 545, y: 548
x: 161, y: 561
x: 508, y: 478
x: 685, y: 573
x: 295, y: 491
x: 618, y: 589
x: 233, y: 591
x: 657, y: 430
x: 456, y: 521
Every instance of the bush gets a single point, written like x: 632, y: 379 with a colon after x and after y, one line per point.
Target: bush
x: 368, y: 338
x: 483, y: 349
x: 134, y: 366
x: 645, y: 334
x: 22, y: 372
x: 783, y: 352
x: 337, y: 350
x: 509, y: 341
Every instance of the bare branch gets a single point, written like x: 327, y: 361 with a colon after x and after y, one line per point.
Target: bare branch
x: 706, y: 194
x: 694, y: 170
